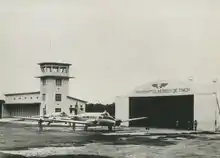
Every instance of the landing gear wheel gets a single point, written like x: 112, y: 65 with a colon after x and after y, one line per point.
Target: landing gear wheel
x: 110, y: 128
x: 85, y: 128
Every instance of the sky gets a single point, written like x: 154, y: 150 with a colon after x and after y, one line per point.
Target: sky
x: 113, y: 46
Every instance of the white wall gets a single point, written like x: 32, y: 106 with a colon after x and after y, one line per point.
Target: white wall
x: 122, y: 108
x: 23, y: 98
x: 50, y: 89
x: 205, y: 107
x: 73, y: 103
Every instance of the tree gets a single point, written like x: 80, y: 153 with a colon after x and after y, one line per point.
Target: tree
x: 98, y: 107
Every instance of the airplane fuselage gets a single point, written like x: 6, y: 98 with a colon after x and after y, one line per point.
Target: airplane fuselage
x: 87, y: 119
x: 96, y: 119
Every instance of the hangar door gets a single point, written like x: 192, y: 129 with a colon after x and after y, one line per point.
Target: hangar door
x: 0, y: 110
x: 23, y: 110
x: 162, y: 111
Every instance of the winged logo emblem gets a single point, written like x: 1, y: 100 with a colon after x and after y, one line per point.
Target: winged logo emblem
x: 160, y: 85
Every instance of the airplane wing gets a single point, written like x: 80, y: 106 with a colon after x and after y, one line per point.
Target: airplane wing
x: 70, y: 121
x: 134, y: 119
x: 33, y: 119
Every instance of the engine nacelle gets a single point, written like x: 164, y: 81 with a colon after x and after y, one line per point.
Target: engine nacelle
x: 118, y: 122
x: 95, y: 122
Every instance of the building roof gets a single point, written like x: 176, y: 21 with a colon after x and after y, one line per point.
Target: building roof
x: 35, y: 103
x: 24, y: 93
x: 54, y: 76
x: 76, y: 99
x: 55, y: 63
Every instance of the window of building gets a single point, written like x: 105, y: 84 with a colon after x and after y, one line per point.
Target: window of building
x: 43, y: 82
x: 58, y: 82
x: 76, y: 106
x: 62, y: 69
x: 66, y: 70
x: 43, y: 97
x: 57, y: 109
x: 58, y: 97
x: 71, y: 109
x: 43, y: 69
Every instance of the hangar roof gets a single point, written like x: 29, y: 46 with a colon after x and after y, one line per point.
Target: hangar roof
x: 34, y: 103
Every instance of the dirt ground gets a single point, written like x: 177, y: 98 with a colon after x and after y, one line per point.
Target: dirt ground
x: 19, y: 140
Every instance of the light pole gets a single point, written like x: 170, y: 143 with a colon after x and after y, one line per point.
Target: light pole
x: 216, y: 96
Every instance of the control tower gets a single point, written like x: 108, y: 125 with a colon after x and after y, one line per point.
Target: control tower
x: 54, y: 87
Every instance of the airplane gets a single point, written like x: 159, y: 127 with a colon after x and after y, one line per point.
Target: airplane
x: 89, y: 119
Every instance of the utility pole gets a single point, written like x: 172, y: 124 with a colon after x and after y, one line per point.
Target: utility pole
x: 217, y: 102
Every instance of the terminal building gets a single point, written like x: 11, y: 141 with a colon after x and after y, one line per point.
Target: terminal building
x: 52, y: 97
x: 167, y: 102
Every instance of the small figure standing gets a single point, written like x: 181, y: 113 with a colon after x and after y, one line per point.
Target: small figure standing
x: 177, y: 124
x: 195, y: 125
x: 189, y: 125
x: 40, y: 125
x: 215, y: 125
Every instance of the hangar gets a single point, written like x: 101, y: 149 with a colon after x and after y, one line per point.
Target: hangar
x: 52, y: 97
x: 166, y: 102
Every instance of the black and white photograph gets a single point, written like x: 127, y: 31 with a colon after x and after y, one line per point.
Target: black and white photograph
x: 109, y: 79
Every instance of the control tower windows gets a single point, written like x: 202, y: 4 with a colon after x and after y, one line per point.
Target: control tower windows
x: 43, y: 69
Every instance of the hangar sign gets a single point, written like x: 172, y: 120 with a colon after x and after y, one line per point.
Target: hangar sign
x: 160, y: 89
x: 175, y: 90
